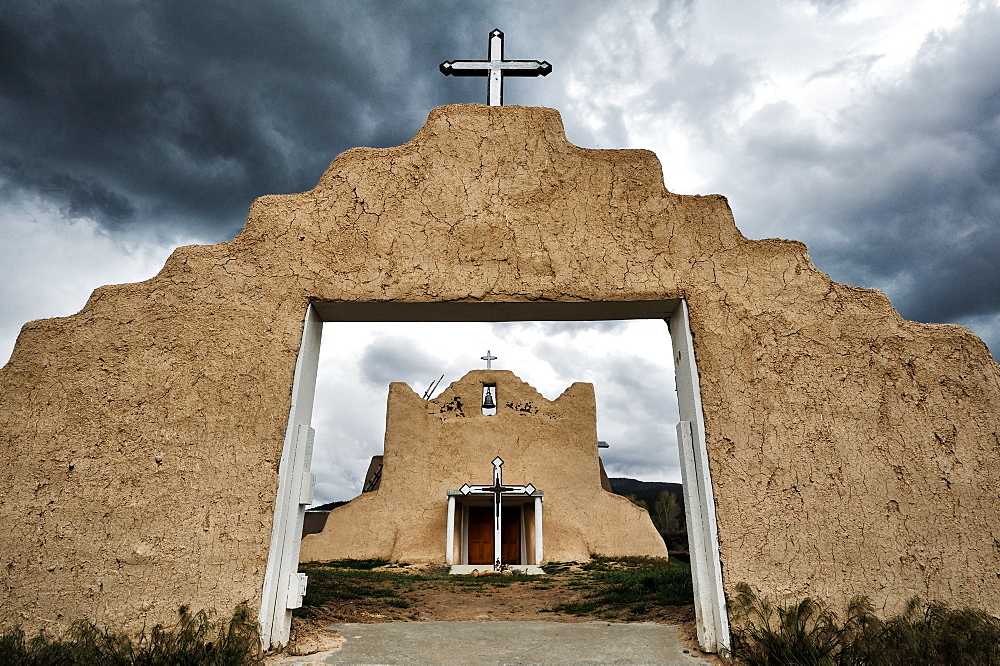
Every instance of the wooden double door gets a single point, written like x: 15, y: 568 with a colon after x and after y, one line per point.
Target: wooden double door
x: 481, y: 535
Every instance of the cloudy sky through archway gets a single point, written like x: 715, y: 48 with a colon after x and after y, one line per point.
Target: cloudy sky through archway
x: 629, y: 363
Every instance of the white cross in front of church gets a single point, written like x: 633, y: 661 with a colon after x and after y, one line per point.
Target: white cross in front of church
x: 495, y: 68
x: 498, y: 490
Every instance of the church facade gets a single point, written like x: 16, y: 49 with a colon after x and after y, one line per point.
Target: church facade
x: 435, y: 499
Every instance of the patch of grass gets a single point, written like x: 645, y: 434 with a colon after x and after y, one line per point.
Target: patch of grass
x: 630, y: 588
x: 356, y: 565
x: 560, y: 567
x: 337, y: 580
x: 604, y: 563
x: 199, y: 639
x: 376, y: 582
x: 808, y: 633
x: 572, y: 608
x: 398, y: 602
x: 489, y: 581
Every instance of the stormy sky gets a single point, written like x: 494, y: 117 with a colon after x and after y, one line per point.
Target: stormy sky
x: 868, y: 130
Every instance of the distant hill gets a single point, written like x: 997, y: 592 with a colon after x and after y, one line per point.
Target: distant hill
x: 645, y: 490
x: 327, y: 507
x: 669, y: 522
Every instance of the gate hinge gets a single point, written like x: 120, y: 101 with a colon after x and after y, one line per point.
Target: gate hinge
x: 297, y: 583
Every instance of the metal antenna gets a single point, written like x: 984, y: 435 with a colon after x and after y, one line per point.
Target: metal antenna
x: 430, y: 389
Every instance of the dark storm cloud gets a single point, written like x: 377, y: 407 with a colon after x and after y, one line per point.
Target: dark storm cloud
x: 394, y: 359
x: 181, y: 113
x: 186, y: 111
x: 907, y: 197
x: 939, y: 187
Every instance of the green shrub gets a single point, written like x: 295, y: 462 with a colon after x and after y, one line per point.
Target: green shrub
x: 198, y: 639
x: 808, y: 633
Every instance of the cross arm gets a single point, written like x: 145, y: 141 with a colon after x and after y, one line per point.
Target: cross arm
x: 526, y: 68
x: 482, y: 490
x: 465, y: 67
x: 484, y: 67
x: 491, y: 490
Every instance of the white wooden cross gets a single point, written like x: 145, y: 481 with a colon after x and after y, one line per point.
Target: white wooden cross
x: 495, y: 68
x: 498, y: 490
x: 489, y: 358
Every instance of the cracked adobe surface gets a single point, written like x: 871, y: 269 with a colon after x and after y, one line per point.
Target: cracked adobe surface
x: 851, y: 451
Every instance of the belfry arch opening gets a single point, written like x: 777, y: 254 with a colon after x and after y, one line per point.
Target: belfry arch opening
x: 699, y: 503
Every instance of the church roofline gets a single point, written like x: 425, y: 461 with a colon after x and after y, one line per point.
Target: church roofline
x: 499, y: 377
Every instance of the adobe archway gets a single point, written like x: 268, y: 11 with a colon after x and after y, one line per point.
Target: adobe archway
x: 848, y: 449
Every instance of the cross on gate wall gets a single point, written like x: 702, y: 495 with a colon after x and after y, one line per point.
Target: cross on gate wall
x: 495, y: 68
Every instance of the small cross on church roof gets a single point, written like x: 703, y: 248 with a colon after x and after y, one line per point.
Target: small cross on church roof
x: 495, y: 68
x: 489, y: 358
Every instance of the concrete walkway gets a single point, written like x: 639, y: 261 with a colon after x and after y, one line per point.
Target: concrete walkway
x: 532, y: 642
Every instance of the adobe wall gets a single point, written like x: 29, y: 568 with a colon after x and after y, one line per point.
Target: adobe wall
x: 432, y: 446
x: 851, y: 451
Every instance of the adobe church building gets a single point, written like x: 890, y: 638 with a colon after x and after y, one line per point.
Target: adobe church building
x: 435, y: 449
x: 156, y: 443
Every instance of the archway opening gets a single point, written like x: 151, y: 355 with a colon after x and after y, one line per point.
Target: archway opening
x: 698, y: 501
x: 628, y: 362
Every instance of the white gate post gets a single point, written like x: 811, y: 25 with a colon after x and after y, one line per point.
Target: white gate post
x: 283, y: 586
x: 538, y: 530
x: 699, y: 498
x: 449, y: 541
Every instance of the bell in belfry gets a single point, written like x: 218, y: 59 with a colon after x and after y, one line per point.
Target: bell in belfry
x: 488, y: 400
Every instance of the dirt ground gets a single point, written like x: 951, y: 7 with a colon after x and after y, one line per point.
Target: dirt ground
x: 517, y: 598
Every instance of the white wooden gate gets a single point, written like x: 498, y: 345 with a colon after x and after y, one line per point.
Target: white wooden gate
x: 284, y: 587
x: 699, y: 498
